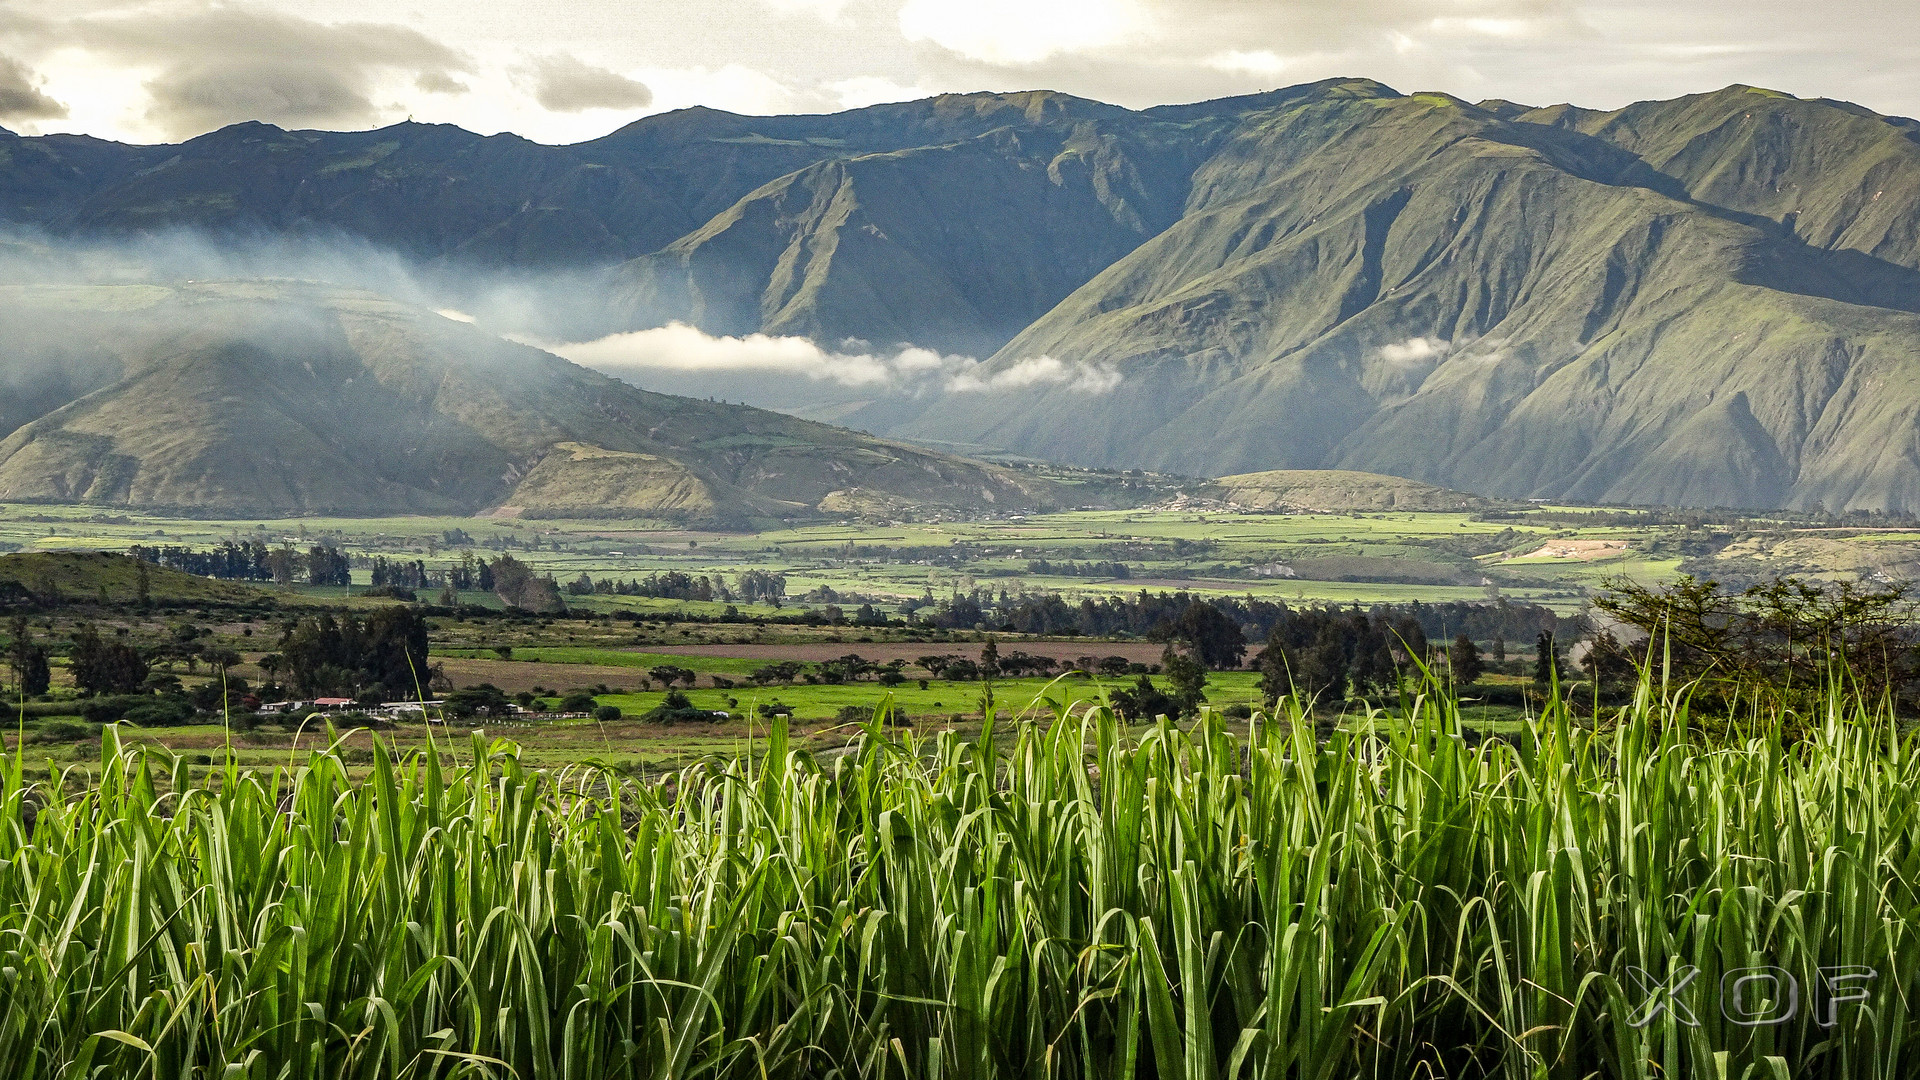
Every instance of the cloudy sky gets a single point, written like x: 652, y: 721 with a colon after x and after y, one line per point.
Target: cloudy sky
x: 563, y: 70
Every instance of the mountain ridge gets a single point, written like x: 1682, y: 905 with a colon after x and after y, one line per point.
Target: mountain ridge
x: 1705, y: 301
x: 275, y: 398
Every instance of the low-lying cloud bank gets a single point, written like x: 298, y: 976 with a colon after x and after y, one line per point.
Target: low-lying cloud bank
x: 680, y: 349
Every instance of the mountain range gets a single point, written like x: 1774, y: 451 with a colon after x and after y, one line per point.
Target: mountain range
x: 1709, y: 301
x: 274, y: 397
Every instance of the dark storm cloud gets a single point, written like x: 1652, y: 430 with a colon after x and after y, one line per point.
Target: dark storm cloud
x: 20, y: 96
x: 564, y: 84
x: 220, y: 65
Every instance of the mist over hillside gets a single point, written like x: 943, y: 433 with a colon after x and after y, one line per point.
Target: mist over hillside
x: 1708, y: 301
x: 275, y: 396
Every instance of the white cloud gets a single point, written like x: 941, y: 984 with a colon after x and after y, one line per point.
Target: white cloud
x: 1498, y: 28
x: 1244, y: 62
x: 1039, y: 371
x: 864, y: 90
x: 682, y: 349
x: 824, y: 10
x: 730, y: 87
x: 679, y: 347
x: 208, y: 65
x: 1023, y: 31
x: 1414, y: 351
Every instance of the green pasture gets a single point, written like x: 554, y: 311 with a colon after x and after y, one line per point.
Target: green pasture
x: 941, y: 701
x: 1208, y: 553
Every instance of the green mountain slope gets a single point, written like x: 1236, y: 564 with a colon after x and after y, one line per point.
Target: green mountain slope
x: 1829, y: 173
x: 954, y: 247
x: 277, y: 397
x: 1418, y: 287
x: 1710, y: 300
x: 437, y: 191
x: 1336, y: 490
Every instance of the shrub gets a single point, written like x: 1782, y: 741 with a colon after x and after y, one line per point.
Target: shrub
x: 160, y: 712
x: 62, y: 731
x: 109, y: 709
x: 577, y: 701
x: 485, y: 699
x: 677, y: 708
x: 607, y: 714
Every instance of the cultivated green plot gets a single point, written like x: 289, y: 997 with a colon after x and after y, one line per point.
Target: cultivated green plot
x: 1556, y: 556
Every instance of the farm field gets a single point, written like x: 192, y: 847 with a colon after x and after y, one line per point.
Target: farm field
x: 610, y: 645
x: 716, y: 662
x: 643, y: 748
x: 711, y: 778
x: 1304, y: 558
x: 654, y: 916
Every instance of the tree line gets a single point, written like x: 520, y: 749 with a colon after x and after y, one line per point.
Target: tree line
x: 1152, y: 615
x: 1069, y: 568
x: 248, y: 560
x: 752, y: 586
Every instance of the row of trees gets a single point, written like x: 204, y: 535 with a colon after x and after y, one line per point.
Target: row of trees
x: 753, y: 586
x: 401, y: 574
x: 249, y: 560
x: 1152, y: 615
x: 1069, y: 568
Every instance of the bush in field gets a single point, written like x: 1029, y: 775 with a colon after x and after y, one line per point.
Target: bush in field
x: 607, y: 714
x: 677, y: 708
x: 1144, y: 701
x: 161, y: 712
x: 485, y: 699
x: 62, y: 731
x: 1068, y: 898
x: 1788, y: 633
x: 143, y: 709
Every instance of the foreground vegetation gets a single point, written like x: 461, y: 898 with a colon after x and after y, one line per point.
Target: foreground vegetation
x: 1068, y: 898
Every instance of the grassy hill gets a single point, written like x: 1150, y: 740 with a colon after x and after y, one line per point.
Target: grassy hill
x: 81, y: 575
x: 1336, y: 491
x: 283, y: 397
